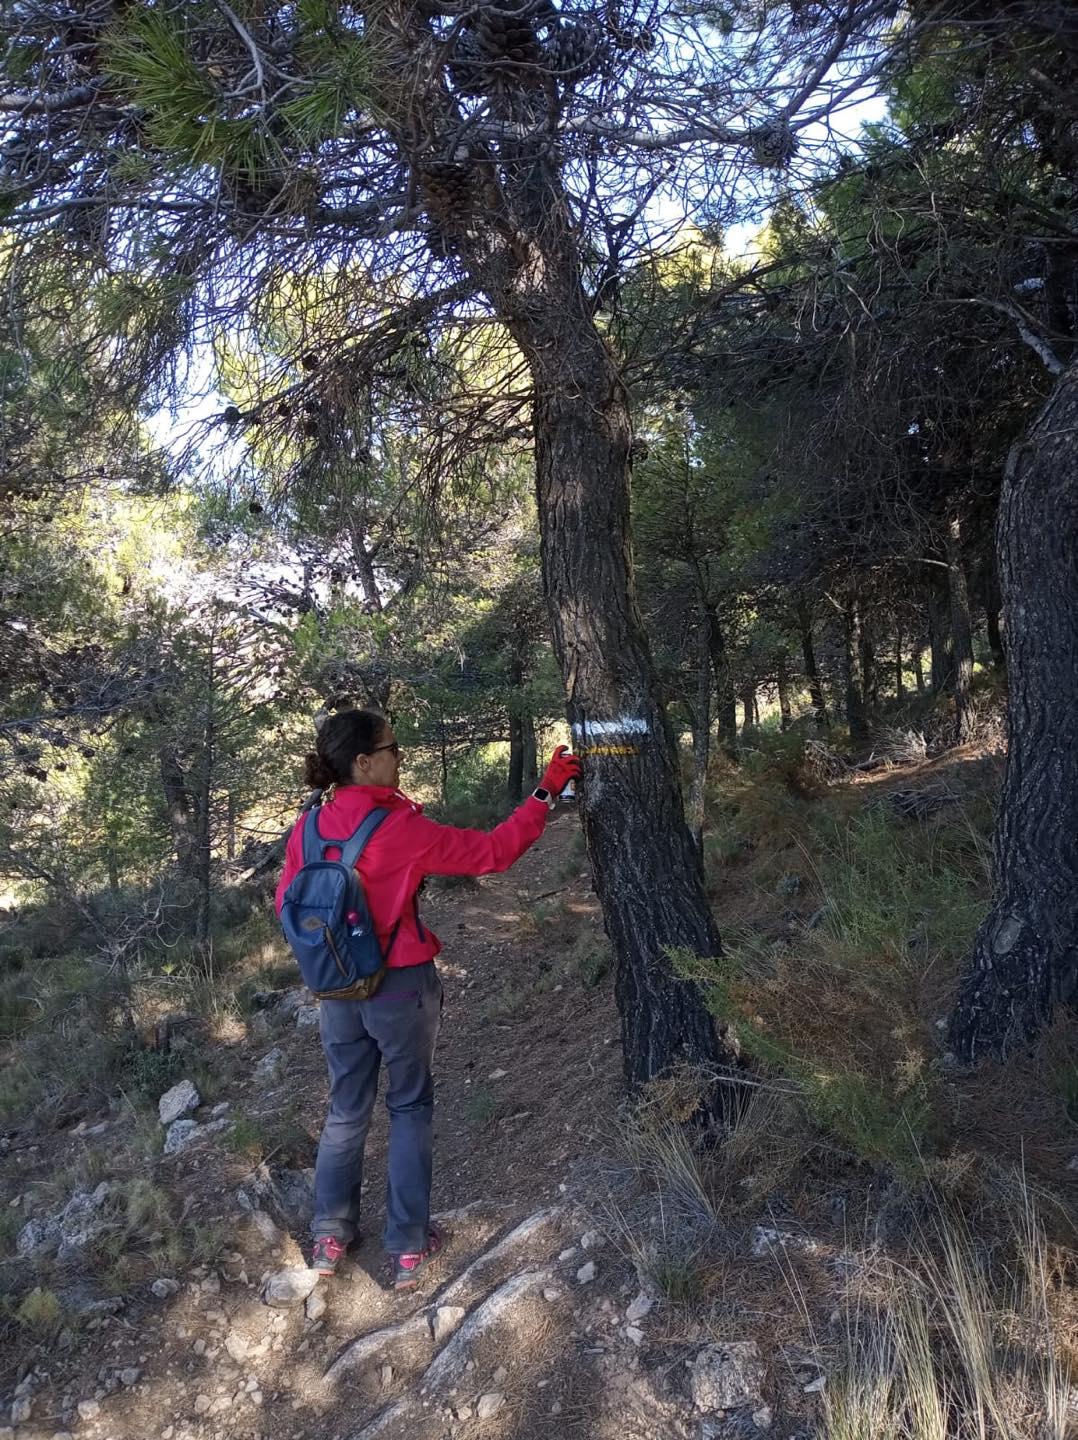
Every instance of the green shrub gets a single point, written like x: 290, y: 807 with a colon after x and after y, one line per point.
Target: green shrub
x: 480, y: 1107
x: 40, y: 1311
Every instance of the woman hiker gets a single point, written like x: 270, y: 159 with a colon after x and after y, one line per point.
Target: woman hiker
x: 358, y: 756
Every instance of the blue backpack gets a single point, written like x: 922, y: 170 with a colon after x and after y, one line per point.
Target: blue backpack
x: 326, y: 919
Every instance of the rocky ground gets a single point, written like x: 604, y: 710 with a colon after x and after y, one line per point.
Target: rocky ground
x: 159, y: 1286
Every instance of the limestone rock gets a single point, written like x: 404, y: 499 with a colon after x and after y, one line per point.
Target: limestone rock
x: 307, y: 1015
x: 180, y: 1100
x: 285, y: 1288
x: 270, y: 1067
x: 316, y: 1305
x: 724, y: 1377
x: 446, y: 1319
x: 164, y: 1287
x: 586, y: 1274
x: 490, y: 1404
x: 68, y: 1232
x: 641, y: 1306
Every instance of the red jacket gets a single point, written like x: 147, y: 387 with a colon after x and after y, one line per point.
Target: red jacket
x: 406, y: 848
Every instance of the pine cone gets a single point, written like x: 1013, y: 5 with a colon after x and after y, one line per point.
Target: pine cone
x: 774, y: 145
x: 575, y: 52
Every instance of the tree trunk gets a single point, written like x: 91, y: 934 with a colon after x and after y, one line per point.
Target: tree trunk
x: 1025, y: 956
x: 646, y: 868
x: 992, y: 619
x: 900, y: 687
x: 870, y: 687
x: 782, y: 681
x: 808, y: 652
x: 179, y: 807
x: 230, y: 833
x: 515, y: 786
x: 855, y: 705
x: 961, y: 633
x: 918, y: 667
x: 531, y: 768
x: 701, y: 733
x: 748, y: 708
x: 725, y: 701
x: 940, y: 635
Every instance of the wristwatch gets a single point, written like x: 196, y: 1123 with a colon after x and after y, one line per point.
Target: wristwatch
x: 539, y: 793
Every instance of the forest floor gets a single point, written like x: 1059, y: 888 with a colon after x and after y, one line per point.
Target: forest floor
x: 604, y: 1277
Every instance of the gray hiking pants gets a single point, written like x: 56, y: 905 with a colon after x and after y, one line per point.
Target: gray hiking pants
x: 398, y: 1026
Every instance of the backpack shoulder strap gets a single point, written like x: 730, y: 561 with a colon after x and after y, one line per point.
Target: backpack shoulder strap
x: 353, y: 848
x: 313, y: 844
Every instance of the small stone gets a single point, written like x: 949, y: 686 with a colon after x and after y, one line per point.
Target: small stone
x: 164, y: 1287
x: 568, y: 1254
x: 446, y: 1319
x: 237, y: 1346
x: 550, y: 1294
x: 555, y: 1409
x: 586, y: 1274
x: 307, y: 1015
x: 762, y: 1418
x: 814, y: 1387
x: 256, y: 1397
x: 593, y: 1240
x: 316, y: 1305
x: 202, y: 1404
x: 20, y: 1410
x: 635, y: 1334
x: 641, y: 1306
x: 199, y: 1347
x: 766, y: 1238
x: 490, y: 1404
x: 270, y: 1066
x: 130, y: 1376
x: 288, y: 1287
x: 180, y: 1134
x: 501, y: 1375
x: 387, y: 1376
x: 88, y: 1409
x: 180, y: 1100
x: 497, y: 1075
x: 220, y: 1110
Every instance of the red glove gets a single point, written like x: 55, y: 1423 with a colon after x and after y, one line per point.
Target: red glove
x: 564, y: 766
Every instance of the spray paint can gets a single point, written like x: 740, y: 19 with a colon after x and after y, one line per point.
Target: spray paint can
x: 569, y: 793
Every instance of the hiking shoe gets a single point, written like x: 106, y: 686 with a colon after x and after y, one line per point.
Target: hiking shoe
x: 327, y: 1252
x: 406, y: 1268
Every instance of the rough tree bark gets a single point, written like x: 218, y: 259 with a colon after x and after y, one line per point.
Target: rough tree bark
x: 961, y: 633
x: 940, y: 637
x: 808, y: 652
x: 855, y: 704
x: 646, y: 868
x: 782, y: 681
x: 1025, y: 956
x: 748, y: 708
x: 725, y: 700
x: 701, y: 733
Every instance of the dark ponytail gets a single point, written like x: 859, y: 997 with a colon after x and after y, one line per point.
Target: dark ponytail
x: 342, y: 737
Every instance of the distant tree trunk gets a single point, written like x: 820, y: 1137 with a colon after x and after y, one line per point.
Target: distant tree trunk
x: 992, y: 617
x: 1025, y: 957
x: 961, y: 632
x: 808, y: 652
x: 748, y: 707
x: 531, y: 768
x: 206, y: 770
x: 782, y: 680
x: 940, y: 635
x: 443, y: 755
x: 918, y: 667
x: 515, y: 784
x: 870, y: 689
x: 855, y: 705
x: 179, y: 807
x: 230, y: 834
x: 113, y: 869
x: 725, y: 701
x: 701, y: 733
x: 900, y: 687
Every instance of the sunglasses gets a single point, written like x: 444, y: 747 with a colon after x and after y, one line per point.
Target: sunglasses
x: 393, y: 748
